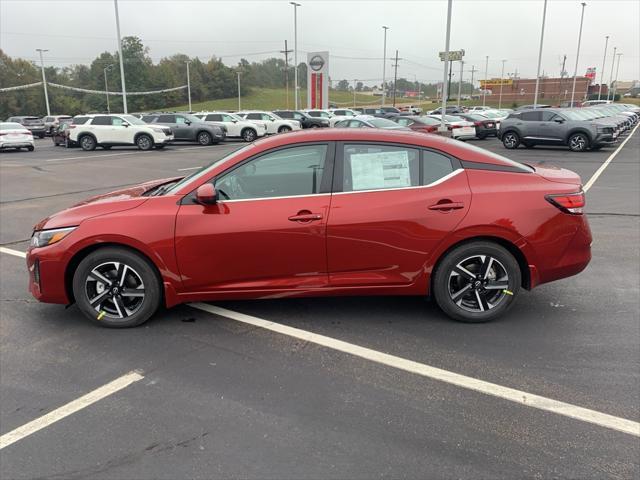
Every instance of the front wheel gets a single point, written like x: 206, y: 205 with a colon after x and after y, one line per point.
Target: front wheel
x: 116, y: 288
x: 144, y: 142
x: 284, y: 129
x: 511, y: 140
x: 204, y: 138
x: 249, y: 135
x: 476, y: 282
x: 578, y: 142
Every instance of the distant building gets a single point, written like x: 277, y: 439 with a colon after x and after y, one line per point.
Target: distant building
x: 550, y: 90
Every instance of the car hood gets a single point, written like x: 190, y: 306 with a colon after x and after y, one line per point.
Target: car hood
x: 112, y: 202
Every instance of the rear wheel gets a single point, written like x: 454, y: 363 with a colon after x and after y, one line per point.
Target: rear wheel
x: 116, y: 288
x: 284, y: 129
x: 476, y: 282
x: 88, y: 143
x: 511, y: 140
x: 30, y: 148
x: 578, y: 142
x: 144, y: 142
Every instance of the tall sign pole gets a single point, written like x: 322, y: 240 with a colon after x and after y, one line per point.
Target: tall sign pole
x: 501, y: 82
x: 616, y: 80
x: 384, y: 65
x: 286, y: 52
x: 124, y: 88
x: 44, y: 80
x: 544, y: 17
x: 188, y: 84
x: 604, y: 59
x: 613, y: 61
x: 486, y: 79
x: 295, y: 52
x: 445, y: 93
x: 575, y: 70
x: 460, y: 82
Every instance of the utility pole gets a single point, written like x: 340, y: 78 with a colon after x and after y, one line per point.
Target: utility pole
x: 616, y: 80
x: 544, y: 17
x: 604, y: 59
x: 460, y: 82
x: 562, y: 73
x: 44, y: 80
x: 295, y: 53
x: 575, y: 70
x: 355, y: 81
x: 106, y: 85
x: 442, y: 127
x: 473, y: 71
x: 501, y: 81
x: 188, y: 84
x: 486, y: 74
x: 395, y: 78
x: 449, y: 84
x: 286, y: 52
x: 124, y: 88
x: 239, y: 103
x: 384, y: 64
x: 613, y: 60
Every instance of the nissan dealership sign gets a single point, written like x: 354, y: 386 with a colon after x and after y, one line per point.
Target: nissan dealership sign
x: 318, y: 80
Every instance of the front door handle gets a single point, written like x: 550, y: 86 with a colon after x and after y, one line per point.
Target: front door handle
x: 305, y: 216
x: 445, y: 206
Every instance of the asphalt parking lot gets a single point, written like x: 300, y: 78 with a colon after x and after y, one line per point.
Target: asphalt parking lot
x: 218, y: 395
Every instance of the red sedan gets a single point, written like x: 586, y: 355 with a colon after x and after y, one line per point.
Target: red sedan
x: 318, y: 213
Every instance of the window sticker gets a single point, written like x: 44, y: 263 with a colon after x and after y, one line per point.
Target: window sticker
x: 371, y: 171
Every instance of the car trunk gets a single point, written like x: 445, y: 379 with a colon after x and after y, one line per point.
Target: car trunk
x: 557, y: 174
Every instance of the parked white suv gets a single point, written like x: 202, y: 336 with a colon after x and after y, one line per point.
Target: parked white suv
x: 237, y: 127
x: 272, y: 122
x: 107, y: 131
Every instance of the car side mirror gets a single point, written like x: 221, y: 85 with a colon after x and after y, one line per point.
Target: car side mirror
x: 558, y: 120
x: 206, y: 194
x: 125, y: 124
x: 187, y: 122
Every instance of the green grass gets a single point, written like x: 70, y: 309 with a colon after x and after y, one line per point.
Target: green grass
x: 273, y: 99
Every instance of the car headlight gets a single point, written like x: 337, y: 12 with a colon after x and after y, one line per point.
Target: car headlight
x: 42, y: 238
x: 158, y: 130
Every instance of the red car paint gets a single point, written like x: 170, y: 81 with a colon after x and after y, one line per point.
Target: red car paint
x: 360, y: 243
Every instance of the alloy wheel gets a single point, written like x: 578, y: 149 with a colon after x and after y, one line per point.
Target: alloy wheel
x: 510, y: 140
x: 578, y: 143
x: 116, y: 289
x: 478, y: 283
x: 204, y: 139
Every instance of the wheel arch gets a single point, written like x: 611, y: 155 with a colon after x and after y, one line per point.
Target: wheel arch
x: 84, y: 134
x: 578, y: 130
x: 139, y: 134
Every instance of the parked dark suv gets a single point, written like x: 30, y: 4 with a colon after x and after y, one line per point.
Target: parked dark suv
x: 34, y: 124
x: 554, y: 126
x: 188, y: 128
x: 306, y: 121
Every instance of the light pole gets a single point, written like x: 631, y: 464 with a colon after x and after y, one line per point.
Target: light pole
x: 106, y: 85
x: 604, y: 59
x: 460, y: 82
x: 239, y: 104
x: 501, y: 77
x: 445, y: 93
x: 44, y: 80
x: 188, y: 84
x: 575, y: 70
x: 613, y: 60
x: 124, y: 88
x: 384, y: 63
x: 486, y: 78
x: 295, y: 55
x: 544, y: 17
x: 616, y: 80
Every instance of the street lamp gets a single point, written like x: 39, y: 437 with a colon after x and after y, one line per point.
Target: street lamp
x: 239, y: 104
x: 445, y: 93
x: 106, y: 85
x: 613, y: 61
x: 44, y: 80
x: 124, y: 88
x: 575, y: 70
x: 604, y: 59
x: 188, y: 83
x: 295, y: 54
x: 616, y: 80
x: 501, y: 77
x: 460, y: 82
x: 486, y: 78
x: 544, y: 17
x: 384, y: 63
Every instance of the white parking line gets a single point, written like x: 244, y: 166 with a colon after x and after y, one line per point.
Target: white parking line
x: 434, y: 373
x: 606, y: 163
x: 15, y: 253
x: 190, y: 168
x: 69, y: 409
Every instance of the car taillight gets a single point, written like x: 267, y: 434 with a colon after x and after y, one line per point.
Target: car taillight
x: 72, y: 126
x: 455, y: 126
x: 568, y: 202
x: 478, y: 123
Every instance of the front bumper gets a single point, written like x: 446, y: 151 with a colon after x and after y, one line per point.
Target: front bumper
x: 603, y: 139
x: 47, y: 267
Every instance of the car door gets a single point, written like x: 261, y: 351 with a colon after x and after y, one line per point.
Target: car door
x: 184, y: 129
x: 554, y: 126
x: 233, y: 129
x: 530, y: 125
x: 392, y: 206
x: 121, y: 131
x: 102, y: 129
x: 268, y: 229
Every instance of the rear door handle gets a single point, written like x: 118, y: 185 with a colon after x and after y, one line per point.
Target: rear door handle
x: 305, y: 216
x: 447, y: 206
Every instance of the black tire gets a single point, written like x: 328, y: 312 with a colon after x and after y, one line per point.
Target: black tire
x: 578, y: 142
x: 249, y: 134
x: 30, y: 148
x: 88, y: 143
x: 106, y: 147
x: 482, y: 137
x: 117, y: 304
x: 204, y: 138
x: 457, y: 293
x: 511, y: 140
x: 144, y: 142
x: 284, y: 129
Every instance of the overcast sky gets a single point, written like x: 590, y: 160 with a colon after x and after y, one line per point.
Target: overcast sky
x: 75, y: 31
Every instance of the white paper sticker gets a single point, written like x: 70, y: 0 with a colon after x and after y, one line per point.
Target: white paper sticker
x: 371, y: 171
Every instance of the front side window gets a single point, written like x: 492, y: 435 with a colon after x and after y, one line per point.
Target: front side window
x: 288, y: 172
x: 181, y: 120
x: 101, y: 121
x: 405, y: 122
x: 379, y: 167
x: 267, y: 117
x: 117, y: 121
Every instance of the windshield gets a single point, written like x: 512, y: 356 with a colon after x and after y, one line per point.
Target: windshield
x: 192, y: 118
x: 451, y: 118
x: 132, y: 120
x: 383, y: 123
x: 207, y: 168
x: 476, y: 117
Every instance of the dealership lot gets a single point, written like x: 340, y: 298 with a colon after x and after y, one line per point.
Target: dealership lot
x: 221, y: 397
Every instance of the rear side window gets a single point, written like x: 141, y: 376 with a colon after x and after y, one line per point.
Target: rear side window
x: 80, y: 120
x: 434, y: 167
x: 101, y: 121
x: 167, y: 119
x: 148, y: 118
x: 535, y: 116
x: 214, y: 117
x: 379, y: 167
x: 254, y: 116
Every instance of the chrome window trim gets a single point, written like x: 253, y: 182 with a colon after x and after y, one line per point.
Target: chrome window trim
x: 432, y: 184
x: 274, y: 198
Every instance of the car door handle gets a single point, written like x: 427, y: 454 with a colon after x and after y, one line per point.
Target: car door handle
x: 305, y: 216
x: 444, y: 206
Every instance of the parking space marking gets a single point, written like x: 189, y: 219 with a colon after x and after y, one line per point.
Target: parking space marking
x: 517, y: 396
x: 69, y: 409
x: 15, y: 253
x: 606, y: 163
x: 190, y: 168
